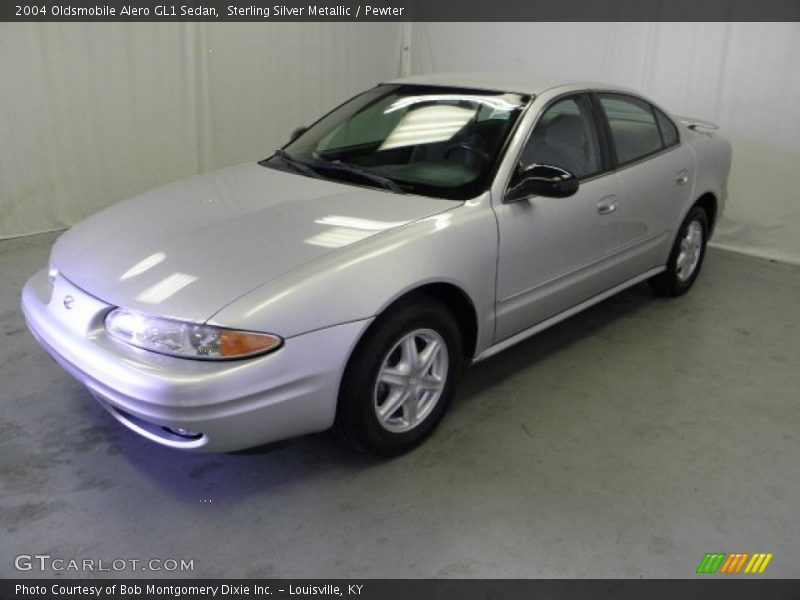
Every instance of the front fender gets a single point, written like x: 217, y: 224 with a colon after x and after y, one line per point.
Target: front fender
x: 458, y: 246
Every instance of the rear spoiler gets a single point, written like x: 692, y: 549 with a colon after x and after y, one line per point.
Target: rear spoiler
x: 694, y: 124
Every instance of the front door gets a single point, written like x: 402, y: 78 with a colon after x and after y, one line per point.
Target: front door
x: 557, y: 252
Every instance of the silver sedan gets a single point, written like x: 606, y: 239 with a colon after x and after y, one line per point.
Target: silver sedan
x: 346, y: 280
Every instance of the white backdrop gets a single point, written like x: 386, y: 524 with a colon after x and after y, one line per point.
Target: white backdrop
x: 744, y: 76
x: 92, y: 113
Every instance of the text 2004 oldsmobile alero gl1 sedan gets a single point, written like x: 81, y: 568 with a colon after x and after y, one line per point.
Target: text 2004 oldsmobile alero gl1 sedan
x: 344, y: 281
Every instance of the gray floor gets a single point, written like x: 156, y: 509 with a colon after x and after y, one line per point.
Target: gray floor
x: 625, y: 442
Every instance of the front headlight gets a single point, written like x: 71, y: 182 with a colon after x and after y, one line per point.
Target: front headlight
x: 187, y: 340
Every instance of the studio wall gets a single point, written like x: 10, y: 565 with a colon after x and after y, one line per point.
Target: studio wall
x: 92, y: 113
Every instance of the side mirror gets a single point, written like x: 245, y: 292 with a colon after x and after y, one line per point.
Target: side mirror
x: 297, y: 133
x: 541, y: 180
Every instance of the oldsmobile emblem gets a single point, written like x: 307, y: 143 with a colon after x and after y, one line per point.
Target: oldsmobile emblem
x: 68, y: 302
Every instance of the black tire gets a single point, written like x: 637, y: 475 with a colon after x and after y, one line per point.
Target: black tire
x: 361, y: 394
x: 680, y: 276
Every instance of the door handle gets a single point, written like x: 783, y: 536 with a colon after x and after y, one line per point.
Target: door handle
x: 682, y: 178
x: 607, y: 205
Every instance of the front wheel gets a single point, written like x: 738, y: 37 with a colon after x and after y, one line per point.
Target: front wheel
x: 400, y: 379
x: 686, y: 256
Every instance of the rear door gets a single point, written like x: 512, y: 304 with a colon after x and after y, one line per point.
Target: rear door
x: 656, y: 173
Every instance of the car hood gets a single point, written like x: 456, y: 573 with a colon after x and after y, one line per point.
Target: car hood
x: 188, y: 249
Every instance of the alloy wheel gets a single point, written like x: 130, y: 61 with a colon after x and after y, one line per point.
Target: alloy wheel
x: 410, y: 380
x: 690, y: 250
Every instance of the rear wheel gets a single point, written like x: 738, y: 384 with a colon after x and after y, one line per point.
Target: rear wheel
x: 686, y: 256
x: 400, y: 379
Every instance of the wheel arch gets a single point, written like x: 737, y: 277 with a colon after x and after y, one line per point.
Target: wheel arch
x: 349, y: 419
x: 710, y: 204
x: 455, y: 299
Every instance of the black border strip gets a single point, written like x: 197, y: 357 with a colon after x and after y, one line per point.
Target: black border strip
x: 707, y: 587
x: 403, y: 10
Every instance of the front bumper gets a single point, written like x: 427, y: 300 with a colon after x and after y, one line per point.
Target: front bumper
x: 231, y: 404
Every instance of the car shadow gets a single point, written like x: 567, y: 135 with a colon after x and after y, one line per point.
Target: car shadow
x: 485, y: 375
x: 218, y: 479
x: 225, y: 479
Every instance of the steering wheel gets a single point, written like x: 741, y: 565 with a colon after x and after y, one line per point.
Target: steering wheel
x: 484, y: 156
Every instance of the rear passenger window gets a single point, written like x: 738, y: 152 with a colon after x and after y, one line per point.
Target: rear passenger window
x: 633, y: 126
x: 668, y: 131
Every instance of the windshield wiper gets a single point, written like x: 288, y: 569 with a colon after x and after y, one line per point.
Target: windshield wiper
x: 297, y: 165
x: 338, y: 165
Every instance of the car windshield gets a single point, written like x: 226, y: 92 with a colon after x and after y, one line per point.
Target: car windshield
x: 436, y: 141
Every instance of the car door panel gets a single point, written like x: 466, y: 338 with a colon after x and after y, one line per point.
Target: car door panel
x: 656, y: 190
x: 656, y: 174
x: 555, y: 253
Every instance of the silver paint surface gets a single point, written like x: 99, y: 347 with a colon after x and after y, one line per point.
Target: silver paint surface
x: 315, y: 261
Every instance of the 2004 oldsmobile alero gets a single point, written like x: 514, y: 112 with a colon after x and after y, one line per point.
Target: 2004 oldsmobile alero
x: 346, y: 280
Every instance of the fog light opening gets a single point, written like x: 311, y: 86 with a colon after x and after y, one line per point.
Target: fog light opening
x: 189, y: 434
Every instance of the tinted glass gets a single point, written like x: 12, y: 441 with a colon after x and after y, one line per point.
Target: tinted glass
x: 436, y: 141
x: 633, y: 126
x: 668, y: 131
x: 565, y: 137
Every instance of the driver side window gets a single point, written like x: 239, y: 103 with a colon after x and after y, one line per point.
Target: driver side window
x: 565, y: 137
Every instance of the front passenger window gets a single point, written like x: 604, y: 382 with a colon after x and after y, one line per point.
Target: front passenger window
x: 565, y: 137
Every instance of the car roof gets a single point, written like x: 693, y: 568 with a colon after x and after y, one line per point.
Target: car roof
x: 504, y: 82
